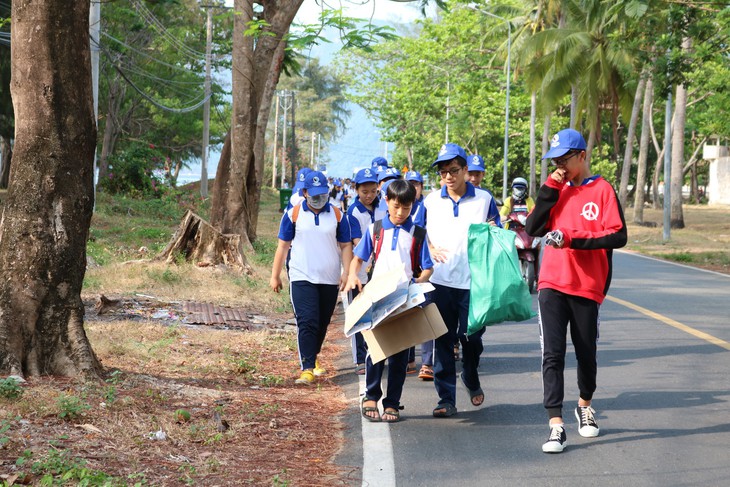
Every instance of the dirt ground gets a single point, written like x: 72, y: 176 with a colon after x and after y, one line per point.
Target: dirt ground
x: 249, y: 424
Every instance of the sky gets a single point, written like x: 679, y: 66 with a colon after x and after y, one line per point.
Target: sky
x: 360, y: 142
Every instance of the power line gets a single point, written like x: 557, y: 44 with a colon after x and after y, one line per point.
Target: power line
x: 171, y: 66
x: 155, y: 102
x: 150, y: 18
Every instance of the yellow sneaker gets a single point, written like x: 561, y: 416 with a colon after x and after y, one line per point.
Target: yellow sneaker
x: 318, y: 371
x: 306, y: 379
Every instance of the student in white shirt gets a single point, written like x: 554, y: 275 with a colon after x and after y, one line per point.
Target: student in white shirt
x: 296, y: 194
x: 393, y: 246
x: 449, y: 213
x: 319, y: 237
x: 363, y: 212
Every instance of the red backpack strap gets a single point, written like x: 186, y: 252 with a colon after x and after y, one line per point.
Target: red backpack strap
x: 377, y: 244
x: 419, y: 236
x: 378, y: 232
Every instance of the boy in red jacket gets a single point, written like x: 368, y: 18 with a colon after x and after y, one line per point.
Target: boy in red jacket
x: 581, y: 219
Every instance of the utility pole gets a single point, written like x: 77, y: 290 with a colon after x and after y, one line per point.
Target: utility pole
x: 206, y: 106
x: 276, y: 137
x: 319, y: 148
x: 311, y: 156
x: 286, y: 101
x: 94, y: 33
x: 294, y: 149
x: 667, y: 208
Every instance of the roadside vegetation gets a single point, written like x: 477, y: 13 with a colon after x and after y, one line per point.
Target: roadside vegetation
x: 179, y: 404
x: 704, y: 242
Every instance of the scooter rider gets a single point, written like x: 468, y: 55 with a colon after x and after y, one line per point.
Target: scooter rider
x: 519, y: 198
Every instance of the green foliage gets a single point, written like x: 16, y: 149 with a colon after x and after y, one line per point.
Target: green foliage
x: 10, y: 388
x: 71, y: 407
x: 720, y: 259
x: 131, y: 172
x: 59, y: 467
x: 169, y: 276
x: 601, y: 164
x: 153, y: 57
x: 264, y: 249
x: 4, y: 428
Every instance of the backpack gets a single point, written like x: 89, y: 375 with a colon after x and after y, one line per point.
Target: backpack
x: 419, y: 236
x: 296, y: 209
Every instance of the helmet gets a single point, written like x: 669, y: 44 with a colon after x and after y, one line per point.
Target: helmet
x: 519, y: 188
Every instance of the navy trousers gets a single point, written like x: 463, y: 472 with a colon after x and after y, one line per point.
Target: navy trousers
x: 453, y: 304
x: 397, y: 365
x: 313, y: 306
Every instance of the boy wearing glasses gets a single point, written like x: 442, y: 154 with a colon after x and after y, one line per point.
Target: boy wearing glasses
x: 579, y: 215
x: 449, y: 213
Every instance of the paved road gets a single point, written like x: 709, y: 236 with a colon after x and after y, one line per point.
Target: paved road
x: 663, y: 400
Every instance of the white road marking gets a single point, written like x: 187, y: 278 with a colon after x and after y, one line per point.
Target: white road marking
x: 378, y: 466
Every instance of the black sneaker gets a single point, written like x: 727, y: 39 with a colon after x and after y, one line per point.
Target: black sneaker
x: 587, y: 426
x: 557, y: 441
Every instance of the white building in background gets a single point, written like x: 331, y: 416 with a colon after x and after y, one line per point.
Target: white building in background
x: 718, y: 187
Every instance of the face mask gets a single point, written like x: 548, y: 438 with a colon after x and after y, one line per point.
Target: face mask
x: 317, y: 202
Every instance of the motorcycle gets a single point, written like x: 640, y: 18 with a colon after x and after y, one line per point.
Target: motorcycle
x: 528, y: 247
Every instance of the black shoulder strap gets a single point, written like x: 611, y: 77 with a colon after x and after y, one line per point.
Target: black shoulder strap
x: 419, y: 236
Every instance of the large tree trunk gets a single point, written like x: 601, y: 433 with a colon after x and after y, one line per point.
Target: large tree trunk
x: 6, y: 154
x: 629, y: 151
x: 640, y: 194
x: 111, y: 127
x: 48, y: 210
x: 256, y: 68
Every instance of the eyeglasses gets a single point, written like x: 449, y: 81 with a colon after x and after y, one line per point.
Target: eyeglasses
x: 561, y: 161
x: 453, y: 171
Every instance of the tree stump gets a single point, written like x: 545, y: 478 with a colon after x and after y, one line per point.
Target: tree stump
x: 197, y: 241
x: 104, y: 304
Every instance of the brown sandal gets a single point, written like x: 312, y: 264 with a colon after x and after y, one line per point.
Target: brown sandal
x: 364, y: 410
x: 394, y: 413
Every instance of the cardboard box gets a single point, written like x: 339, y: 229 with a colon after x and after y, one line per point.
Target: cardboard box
x: 379, y: 298
x: 404, y: 330
x: 386, y: 312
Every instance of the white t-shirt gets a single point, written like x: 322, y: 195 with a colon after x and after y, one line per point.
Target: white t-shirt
x: 447, y: 226
x: 364, y: 219
x: 315, y: 252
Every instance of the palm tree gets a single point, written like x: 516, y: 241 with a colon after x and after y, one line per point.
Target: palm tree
x: 583, y: 55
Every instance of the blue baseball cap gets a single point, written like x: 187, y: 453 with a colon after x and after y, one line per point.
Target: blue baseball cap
x: 414, y: 176
x: 564, y: 141
x: 379, y: 161
x: 316, y: 183
x: 384, y: 188
x: 301, y: 176
x: 475, y: 163
x: 337, y: 182
x: 388, y: 173
x: 448, y: 152
x: 367, y: 175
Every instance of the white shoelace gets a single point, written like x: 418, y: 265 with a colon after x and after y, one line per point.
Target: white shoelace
x: 555, y: 433
x: 586, y: 415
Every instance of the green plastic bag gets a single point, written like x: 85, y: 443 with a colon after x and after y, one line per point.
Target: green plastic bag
x: 498, y: 292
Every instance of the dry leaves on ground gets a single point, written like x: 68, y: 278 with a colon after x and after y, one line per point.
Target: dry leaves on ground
x: 248, y: 423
